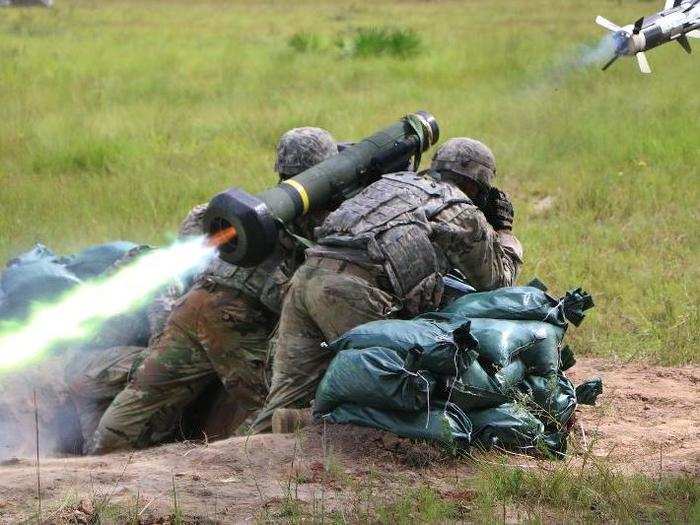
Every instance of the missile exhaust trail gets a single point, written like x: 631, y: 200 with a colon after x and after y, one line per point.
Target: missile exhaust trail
x: 79, y: 312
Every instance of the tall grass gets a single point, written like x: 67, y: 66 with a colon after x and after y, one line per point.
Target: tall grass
x: 117, y: 117
x: 304, y: 42
x: 378, y: 41
x: 496, y: 492
x: 593, y: 495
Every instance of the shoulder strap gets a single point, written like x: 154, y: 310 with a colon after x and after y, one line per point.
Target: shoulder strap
x: 303, y: 242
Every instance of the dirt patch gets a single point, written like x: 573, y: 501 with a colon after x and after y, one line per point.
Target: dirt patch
x: 647, y: 418
x: 645, y: 421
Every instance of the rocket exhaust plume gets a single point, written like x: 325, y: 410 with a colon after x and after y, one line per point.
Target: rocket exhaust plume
x: 78, y: 313
x: 598, y: 54
x: 222, y: 237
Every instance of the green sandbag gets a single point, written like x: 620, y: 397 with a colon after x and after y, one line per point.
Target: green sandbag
x: 39, y: 252
x: 37, y: 281
x: 476, y: 389
x: 501, y: 341
x: 509, y: 425
x: 445, y: 423
x: 552, y: 398
x: 440, y: 342
x: 93, y: 261
x: 373, y: 377
x: 521, y: 303
x: 567, y: 359
x: 39, y: 275
x: 513, y: 427
x: 524, y: 303
x: 587, y: 392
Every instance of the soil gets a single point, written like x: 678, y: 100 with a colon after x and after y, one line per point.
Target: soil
x: 645, y: 421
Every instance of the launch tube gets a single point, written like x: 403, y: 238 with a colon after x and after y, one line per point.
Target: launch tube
x: 255, y: 219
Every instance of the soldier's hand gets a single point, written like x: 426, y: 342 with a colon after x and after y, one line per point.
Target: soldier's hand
x: 498, y: 209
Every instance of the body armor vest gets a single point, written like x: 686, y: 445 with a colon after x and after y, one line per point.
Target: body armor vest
x: 389, y: 223
x: 266, y: 282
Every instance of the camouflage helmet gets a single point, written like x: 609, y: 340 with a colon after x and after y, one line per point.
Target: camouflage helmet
x: 301, y: 148
x: 467, y: 157
x: 194, y: 222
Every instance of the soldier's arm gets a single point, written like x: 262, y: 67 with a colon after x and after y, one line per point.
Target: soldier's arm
x: 193, y: 224
x: 488, y: 258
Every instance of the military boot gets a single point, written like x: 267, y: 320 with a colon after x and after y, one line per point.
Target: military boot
x: 288, y: 420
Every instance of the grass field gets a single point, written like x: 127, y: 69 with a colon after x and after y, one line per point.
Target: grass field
x: 118, y: 116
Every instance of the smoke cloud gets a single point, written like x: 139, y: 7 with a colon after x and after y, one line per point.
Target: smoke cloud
x: 80, y: 311
x: 75, y: 316
x: 595, y: 54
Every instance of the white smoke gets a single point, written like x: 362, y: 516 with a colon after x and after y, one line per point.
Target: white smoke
x: 597, y: 54
x: 82, y: 309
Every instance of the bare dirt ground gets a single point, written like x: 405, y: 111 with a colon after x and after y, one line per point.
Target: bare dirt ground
x: 645, y: 421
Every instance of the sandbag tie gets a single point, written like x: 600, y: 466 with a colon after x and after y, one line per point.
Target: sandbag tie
x: 574, y: 303
x: 587, y: 392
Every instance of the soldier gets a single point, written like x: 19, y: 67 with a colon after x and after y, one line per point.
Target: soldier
x: 383, y: 253
x: 99, y: 369
x: 218, y: 330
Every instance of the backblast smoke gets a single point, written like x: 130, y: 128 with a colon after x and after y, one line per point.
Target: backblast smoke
x: 79, y: 313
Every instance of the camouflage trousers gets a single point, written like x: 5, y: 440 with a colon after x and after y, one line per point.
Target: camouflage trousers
x: 213, y: 334
x: 94, y: 378
x: 327, y: 298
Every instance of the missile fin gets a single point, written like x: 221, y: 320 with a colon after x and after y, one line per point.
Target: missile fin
x: 669, y: 4
x: 607, y: 24
x: 643, y: 63
x: 610, y: 62
x: 683, y: 41
x: 638, y: 26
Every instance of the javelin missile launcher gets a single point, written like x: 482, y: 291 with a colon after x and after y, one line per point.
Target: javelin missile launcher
x: 250, y: 223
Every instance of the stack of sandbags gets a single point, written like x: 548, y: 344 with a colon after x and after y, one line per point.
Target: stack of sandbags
x: 487, y: 369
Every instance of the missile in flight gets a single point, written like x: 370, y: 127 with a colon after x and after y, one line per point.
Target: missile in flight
x: 678, y: 20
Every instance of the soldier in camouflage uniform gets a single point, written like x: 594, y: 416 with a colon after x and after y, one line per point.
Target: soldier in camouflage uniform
x: 383, y: 253
x: 219, y: 330
x: 99, y: 369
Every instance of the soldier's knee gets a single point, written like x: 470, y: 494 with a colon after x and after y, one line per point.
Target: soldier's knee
x: 106, y: 440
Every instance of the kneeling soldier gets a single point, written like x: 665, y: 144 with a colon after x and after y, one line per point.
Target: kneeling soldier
x: 383, y: 253
x: 219, y: 330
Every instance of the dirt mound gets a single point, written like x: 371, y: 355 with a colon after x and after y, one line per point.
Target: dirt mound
x: 645, y: 421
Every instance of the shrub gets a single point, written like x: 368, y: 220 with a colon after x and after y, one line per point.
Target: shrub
x: 376, y: 41
x: 304, y: 42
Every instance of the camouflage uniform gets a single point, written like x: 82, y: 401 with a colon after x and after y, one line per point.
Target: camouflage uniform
x: 99, y: 369
x: 218, y: 331
x: 382, y: 252
x: 95, y: 378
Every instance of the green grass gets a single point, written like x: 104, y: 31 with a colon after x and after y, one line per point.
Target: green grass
x: 596, y: 494
x: 303, y: 42
x: 378, y: 41
x: 363, y: 42
x: 560, y: 492
x: 418, y: 505
x: 118, y: 116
